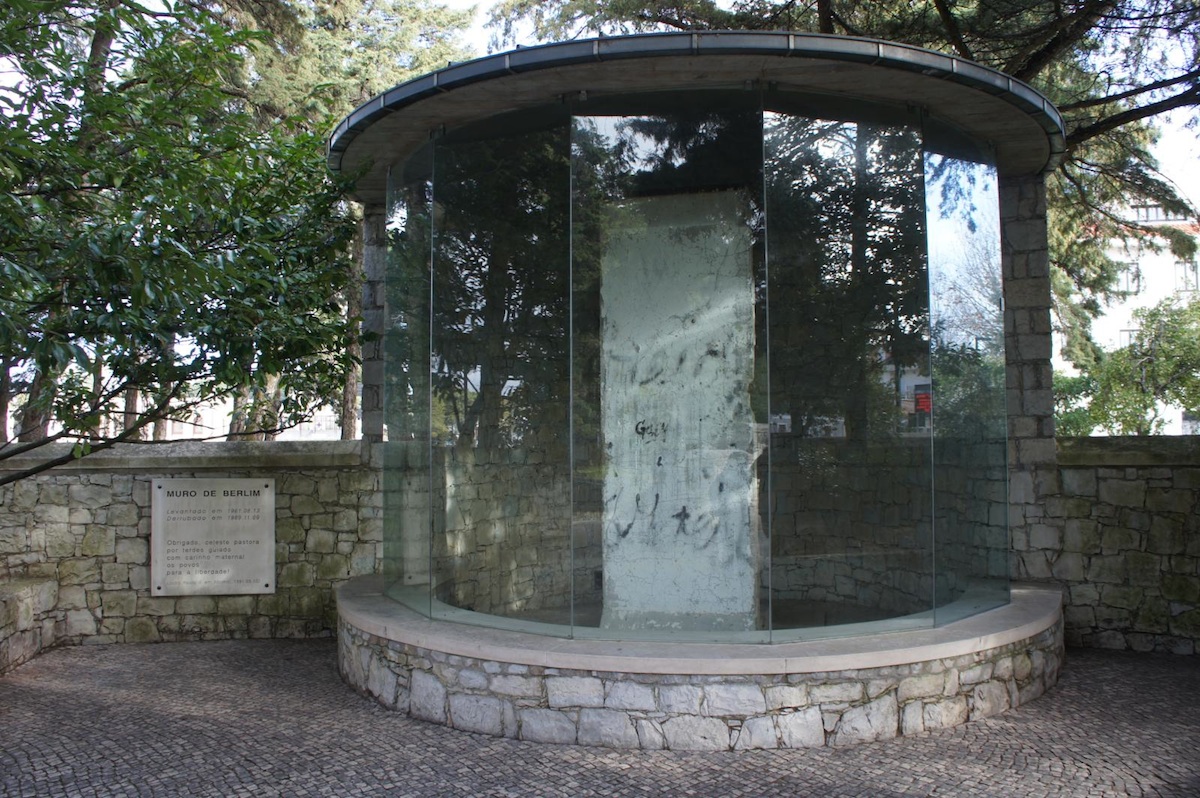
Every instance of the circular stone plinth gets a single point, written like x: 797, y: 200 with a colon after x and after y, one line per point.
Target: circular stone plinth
x: 698, y: 696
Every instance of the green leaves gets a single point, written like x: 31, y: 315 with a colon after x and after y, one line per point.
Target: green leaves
x: 154, y: 234
x: 1125, y: 391
x: 352, y: 50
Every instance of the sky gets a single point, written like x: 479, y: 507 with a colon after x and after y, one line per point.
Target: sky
x: 1178, y: 152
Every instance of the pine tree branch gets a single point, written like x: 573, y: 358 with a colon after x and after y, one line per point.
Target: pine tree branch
x: 1068, y: 32
x: 1166, y: 83
x: 1083, y: 133
x: 953, y: 31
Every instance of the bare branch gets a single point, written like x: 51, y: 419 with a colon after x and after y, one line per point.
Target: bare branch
x: 76, y: 453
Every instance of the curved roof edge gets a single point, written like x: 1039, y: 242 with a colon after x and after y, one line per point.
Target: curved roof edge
x: 850, y: 50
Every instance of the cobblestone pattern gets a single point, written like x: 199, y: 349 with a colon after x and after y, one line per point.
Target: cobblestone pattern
x: 272, y: 718
x: 88, y: 532
x: 686, y: 713
x: 1122, y: 537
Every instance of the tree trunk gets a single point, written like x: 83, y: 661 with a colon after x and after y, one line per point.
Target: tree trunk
x: 238, y: 419
x: 494, y: 370
x: 97, y: 429
x: 825, y: 16
x: 348, y: 420
x: 129, y: 418
x: 161, y: 430
x: 5, y: 397
x: 34, y: 424
x: 857, y: 415
x: 255, y: 415
x: 267, y: 417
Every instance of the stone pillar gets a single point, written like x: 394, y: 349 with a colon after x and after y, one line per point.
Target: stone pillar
x: 374, y: 311
x: 1032, y: 458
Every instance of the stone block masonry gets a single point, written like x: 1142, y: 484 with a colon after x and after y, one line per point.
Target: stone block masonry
x: 690, y: 712
x: 1114, y: 524
x: 26, y: 619
x: 1121, y: 535
x: 85, y: 529
x: 719, y: 707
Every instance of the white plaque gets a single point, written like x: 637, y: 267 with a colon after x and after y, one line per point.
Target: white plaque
x: 212, y: 537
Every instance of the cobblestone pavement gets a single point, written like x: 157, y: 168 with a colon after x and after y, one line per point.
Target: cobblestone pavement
x: 267, y: 718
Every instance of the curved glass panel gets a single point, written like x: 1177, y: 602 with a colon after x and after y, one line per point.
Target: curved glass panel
x: 695, y: 370
x: 967, y: 403
x: 851, y: 478
x: 500, y: 376
x: 406, y: 474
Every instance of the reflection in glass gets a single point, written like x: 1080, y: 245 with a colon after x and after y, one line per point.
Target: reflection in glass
x: 500, y: 376
x: 727, y: 374
x: 850, y: 471
x: 967, y: 353
x: 406, y: 471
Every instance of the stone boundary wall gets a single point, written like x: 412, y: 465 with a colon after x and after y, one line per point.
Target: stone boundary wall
x: 851, y: 523
x: 1120, y: 532
x: 1117, y: 527
x: 86, y: 528
x: 26, y: 619
x: 505, y: 543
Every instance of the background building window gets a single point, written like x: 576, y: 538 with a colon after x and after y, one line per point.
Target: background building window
x: 1186, y: 276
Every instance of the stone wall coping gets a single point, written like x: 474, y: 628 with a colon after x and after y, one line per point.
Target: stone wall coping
x: 171, y: 456
x: 1034, y: 608
x: 1129, y: 450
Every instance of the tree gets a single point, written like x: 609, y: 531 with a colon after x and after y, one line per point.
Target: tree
x: 350, y: 50
x: 1112, y: 67
x: 500, y: 310
x: 337, y: 56
x: 1160, y: 366
x: 846, y: 236
x: 155, y: 238
x: 1072, y: 411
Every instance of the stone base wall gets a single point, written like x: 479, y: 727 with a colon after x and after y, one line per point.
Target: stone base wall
x: 86, y: 529
x: 1120, y: 532
x: 26, y: 619
x: 698, y: 712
